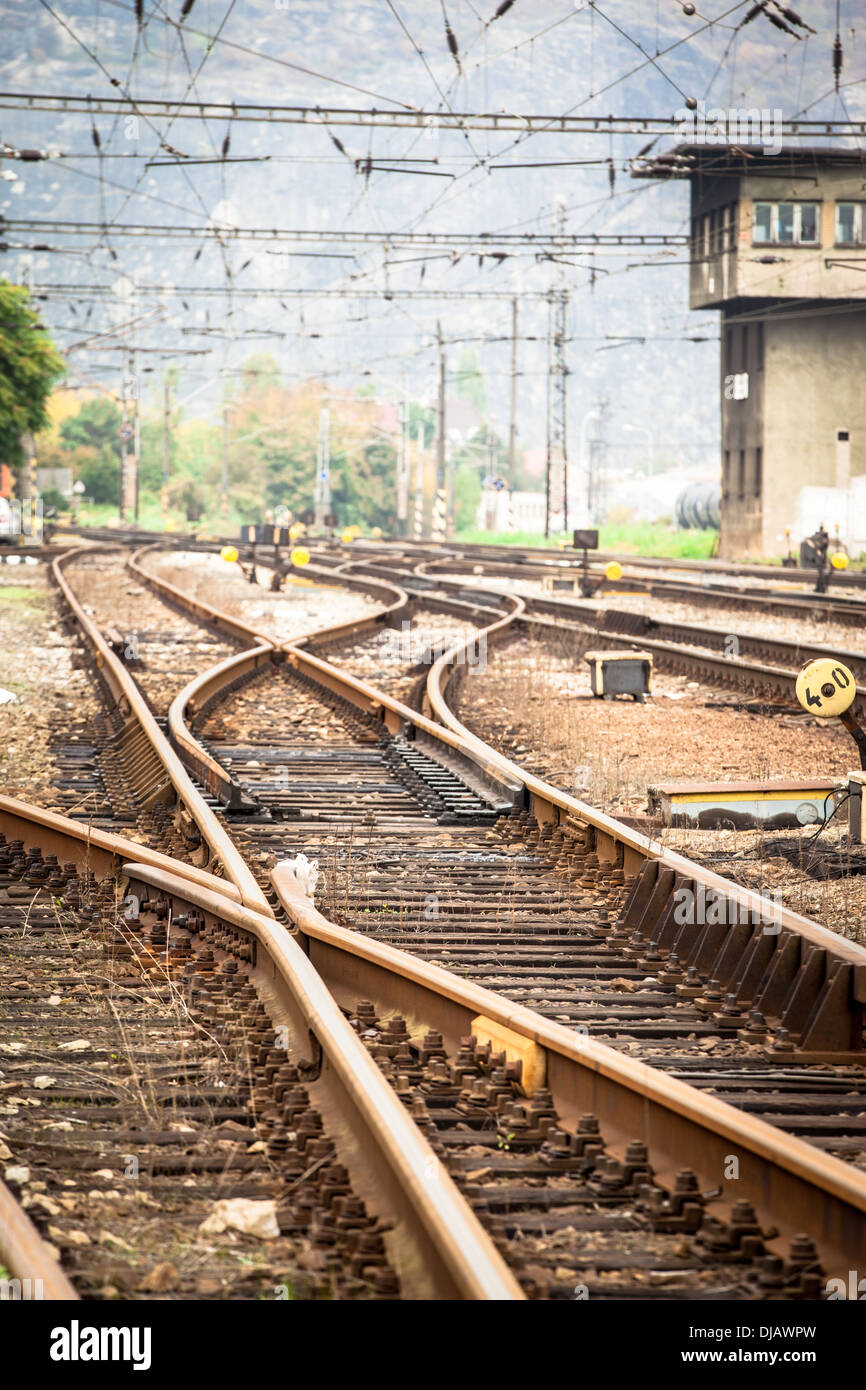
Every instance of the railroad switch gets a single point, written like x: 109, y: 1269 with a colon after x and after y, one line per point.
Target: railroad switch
x: 620, y: 673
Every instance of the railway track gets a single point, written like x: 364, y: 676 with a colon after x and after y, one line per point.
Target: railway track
x: 846, y: 608
x: 589, y: 1169
x: 722, y: 656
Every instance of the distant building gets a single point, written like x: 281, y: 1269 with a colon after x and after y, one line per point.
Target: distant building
x: 778, y: 246
x: 55, y: 479
x: 526, y: 512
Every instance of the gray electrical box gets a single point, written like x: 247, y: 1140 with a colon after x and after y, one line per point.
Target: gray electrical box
x: 620, y: 673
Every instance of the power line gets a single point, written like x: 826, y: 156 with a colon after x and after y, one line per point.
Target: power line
x: 481, y: 243
x: 409, y: 118
x: 202, y: 291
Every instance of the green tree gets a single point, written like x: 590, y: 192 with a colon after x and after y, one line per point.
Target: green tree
x: 30, y: 365
x: 92, y: 441
x: 94, y: 427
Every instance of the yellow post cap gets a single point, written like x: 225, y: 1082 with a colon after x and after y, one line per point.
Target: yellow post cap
x: 300, y: 556
x: 839, y: 560
x: 296, y: 529
x: 826, y: 688
x: 613, y: 570
x: 348, y: 535
x: 229, y: 554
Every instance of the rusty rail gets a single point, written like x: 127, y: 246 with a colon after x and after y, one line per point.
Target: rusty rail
x: 27, y: 1256
x: 682, y: 1126
x: 435, y: 1242
x: 792, y: 1181
x: 130, y: 700
x: 803, y: 975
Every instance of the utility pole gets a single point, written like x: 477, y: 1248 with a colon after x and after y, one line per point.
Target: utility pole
x: 322, y: 491
x: 597, y: 470
x: 403, y: 465
x: 556, y: 488
x: 166, y: 425
x: 419, y: 484
x: 136, y: 435
x: 512, y: 426
x: 224, y: 481
x: 440, y: 504
x: 490, y: 501
x: 128, y: 462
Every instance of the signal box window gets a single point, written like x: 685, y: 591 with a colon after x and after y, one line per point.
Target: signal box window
x: 849, y: 224
x: 786, y: 224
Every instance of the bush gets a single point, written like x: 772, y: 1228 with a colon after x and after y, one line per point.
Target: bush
x: 189, y: 496
x: 52, y: 497
x: 101, y: 477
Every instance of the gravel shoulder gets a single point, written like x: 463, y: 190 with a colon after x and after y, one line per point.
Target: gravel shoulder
x: 51, y: 696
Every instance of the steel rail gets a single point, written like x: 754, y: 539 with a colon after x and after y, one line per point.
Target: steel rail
x: 555, y: 559
x: 27, y: 1256
x: 681, y: 1125
x: 194, y: 696
x: 623, y: 624
x: 783, y: 1174
x: 687, y: 650
x: 96, y: 850
x: 548, y: 802
x: 437, y: 1245
x: 838, y: 606
x: 614, y: 840
x: 457, y: 1257
x: 129, y: 698
x: 825, y: 976
x: 392, y: 599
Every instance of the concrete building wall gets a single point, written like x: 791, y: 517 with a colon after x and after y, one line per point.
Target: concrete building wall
x: 743, y: 365
x: 815, y: 387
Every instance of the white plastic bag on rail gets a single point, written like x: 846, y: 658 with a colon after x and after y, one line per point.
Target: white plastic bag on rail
x: 305, y: 871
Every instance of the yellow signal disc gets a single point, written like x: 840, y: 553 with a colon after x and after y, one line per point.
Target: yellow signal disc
x: 839, y: 560
x: 826, y: 688
x: 229, y: 554
x: 300, y: 556
x: 376, y: 533
x: 348, y: 535
x: 613, y: 570
x: 296, y: 530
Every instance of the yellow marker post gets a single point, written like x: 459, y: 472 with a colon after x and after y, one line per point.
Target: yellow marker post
x: 613, y: 570
x: 229, y: 554
x: 839, y: 560
x: 348, y: 536
x: 826, y: 688
x: 300, y: 556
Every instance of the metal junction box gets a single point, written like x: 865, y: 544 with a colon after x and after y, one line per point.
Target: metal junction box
x: 774, y: 805
x: 621, y: 673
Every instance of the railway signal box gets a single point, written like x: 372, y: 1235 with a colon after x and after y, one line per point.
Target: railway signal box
x: 778, y: 248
